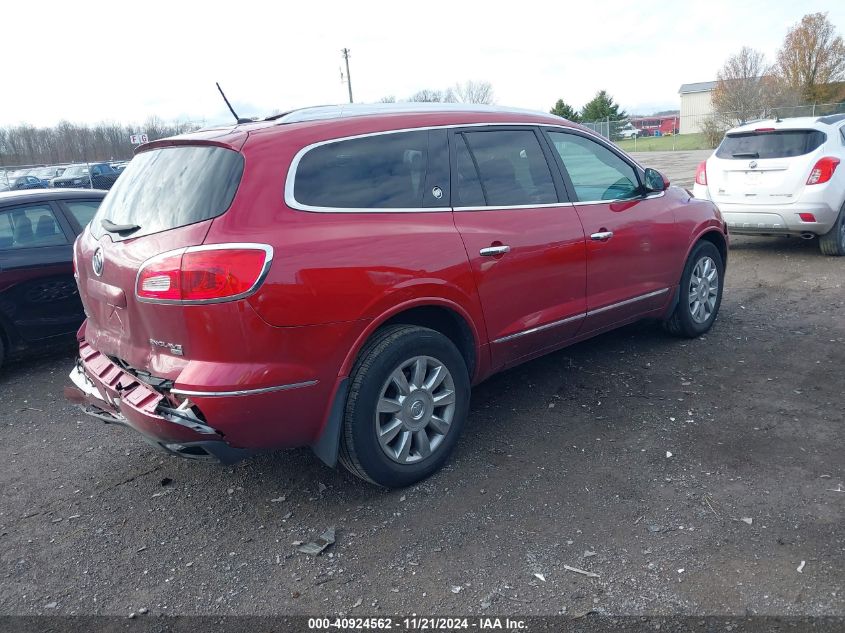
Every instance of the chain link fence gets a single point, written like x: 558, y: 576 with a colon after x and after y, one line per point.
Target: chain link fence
x: 696, y: 131
x: 87, y: 175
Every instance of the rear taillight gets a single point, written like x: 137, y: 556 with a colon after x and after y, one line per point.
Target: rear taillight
x: 701, y: 173
x: 204, y: 274
x: 823, y: 170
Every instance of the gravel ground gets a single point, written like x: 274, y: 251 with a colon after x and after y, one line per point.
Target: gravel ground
x: 679, y: 166
x: 694, y: 477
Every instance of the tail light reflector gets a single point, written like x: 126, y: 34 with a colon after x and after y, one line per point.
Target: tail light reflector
x: 701, y: 173
x: 807, y: 217
x: 823, y: 170
x: 204, y: 274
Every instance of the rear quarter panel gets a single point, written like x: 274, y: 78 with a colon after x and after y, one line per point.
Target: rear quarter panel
x: 342, y: 267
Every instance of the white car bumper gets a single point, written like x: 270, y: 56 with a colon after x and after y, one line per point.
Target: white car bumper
x: 752, y: 219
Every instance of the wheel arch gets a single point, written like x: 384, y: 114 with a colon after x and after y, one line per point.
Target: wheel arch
x: 715, y: 237
x: 440, y: 315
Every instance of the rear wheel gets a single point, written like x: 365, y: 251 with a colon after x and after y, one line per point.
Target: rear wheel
x: 833, y: 242
x: 700, y: 292
x: 407, y: 404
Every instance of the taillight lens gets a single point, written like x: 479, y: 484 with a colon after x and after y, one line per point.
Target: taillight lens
x: 823, y: 170
x: 204, y: 274
x: 701, y: 173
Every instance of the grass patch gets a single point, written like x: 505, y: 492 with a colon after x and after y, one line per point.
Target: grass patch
x: 664, y: 143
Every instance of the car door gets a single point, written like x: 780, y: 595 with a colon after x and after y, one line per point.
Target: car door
x: 632, y: 242
x: 38, y: 295
x: 523, y: 238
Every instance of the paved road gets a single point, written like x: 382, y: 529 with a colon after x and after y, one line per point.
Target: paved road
x: 691, y: 476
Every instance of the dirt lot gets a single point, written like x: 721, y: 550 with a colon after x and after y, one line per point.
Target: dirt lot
x: 691, y: 476
x: 679, y: 166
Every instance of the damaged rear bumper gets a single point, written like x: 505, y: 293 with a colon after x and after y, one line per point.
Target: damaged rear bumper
x: 109, y: 393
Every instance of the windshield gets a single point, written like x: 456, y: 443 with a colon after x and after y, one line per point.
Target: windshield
x: 75, y: 171
x: 166, y: 188
x: 774, y: 144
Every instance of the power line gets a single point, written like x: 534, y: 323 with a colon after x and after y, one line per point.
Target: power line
x: 345, y: 52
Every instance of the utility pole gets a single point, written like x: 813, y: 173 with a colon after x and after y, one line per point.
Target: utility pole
x: 345, y: 52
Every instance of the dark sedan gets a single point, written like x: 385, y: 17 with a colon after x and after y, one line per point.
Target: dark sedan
x: 19, y: 183
x: 39, y: 301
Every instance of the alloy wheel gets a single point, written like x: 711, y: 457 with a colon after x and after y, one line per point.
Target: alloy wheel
x: 415, y: 410
x: 703, y: 289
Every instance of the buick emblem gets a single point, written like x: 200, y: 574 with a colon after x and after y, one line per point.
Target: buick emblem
x: 97, y: 261
x: 752, y: 164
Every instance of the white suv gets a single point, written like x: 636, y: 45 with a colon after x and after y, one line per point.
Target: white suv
x: 781, y: 178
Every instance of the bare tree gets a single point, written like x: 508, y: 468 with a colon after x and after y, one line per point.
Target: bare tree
x: 427, y: 96
x: 471, y: 92
x: 812, y: 57
x: 740, y: 93
x: 387, y: 99
x: 68, y: 142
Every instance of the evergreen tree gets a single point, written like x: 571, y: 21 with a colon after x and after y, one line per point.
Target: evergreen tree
x: 566, y: 111
x: 602, y: 108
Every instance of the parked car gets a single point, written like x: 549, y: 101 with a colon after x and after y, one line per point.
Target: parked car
x: 102, y: 176
x: 628, y: 132
x: 781, y: 178
x: 338, y: 277
x: 39, y: 301
x: 46, y: 174
x: 17, y: 183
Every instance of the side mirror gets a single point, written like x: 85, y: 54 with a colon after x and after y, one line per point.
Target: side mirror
x: 655, y: 181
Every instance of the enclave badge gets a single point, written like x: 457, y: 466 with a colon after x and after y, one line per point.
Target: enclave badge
x: 173, y: 348
x: 98, y: 261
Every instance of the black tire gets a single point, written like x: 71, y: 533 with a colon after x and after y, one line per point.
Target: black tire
x: 2, y: 350
x: 360, y: 450
x: 681, y: 322
x: 833, y: 242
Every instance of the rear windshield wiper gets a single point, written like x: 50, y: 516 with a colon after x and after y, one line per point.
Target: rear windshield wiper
x: 746, y: 155
x: 111, y: 227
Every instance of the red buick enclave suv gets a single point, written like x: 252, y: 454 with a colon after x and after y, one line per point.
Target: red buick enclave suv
x: 338, y: 277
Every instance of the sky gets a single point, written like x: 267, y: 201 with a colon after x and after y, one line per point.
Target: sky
x: 127, y: 60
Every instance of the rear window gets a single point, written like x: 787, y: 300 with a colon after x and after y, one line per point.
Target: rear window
x: 779, y: 144
x: 387, y: 171
x: 167, y: 188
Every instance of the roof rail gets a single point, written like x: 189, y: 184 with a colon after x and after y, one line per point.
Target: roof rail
x: 316, y: 113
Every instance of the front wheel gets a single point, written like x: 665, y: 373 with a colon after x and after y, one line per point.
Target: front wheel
x: 408, y: 400
x: 833, y: 242
x: 700, y: 293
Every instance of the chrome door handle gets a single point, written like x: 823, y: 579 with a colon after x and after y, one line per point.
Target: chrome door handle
x: 492, y: 251
x: 601, y: 236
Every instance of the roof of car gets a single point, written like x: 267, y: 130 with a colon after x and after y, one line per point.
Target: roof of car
x: 795, y: 123
x: 42, y: 195
x: 360, y: 118
x: 343, y: 111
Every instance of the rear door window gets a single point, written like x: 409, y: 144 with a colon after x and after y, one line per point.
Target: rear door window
x: 467, y: 186
x: 166, y: 188
x: 30, y: 226
x: 512, y: 168
x: 384, y: 171
x: 777, y: 144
